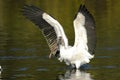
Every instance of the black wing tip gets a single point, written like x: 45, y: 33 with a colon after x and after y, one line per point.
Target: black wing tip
x: 85, y: 12
x: 31, y: 7
x: 26, y: 6
x: 82, y: 9
x: 30, y: 10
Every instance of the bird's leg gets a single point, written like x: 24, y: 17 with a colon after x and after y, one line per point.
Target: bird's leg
x: 73, y: 66
x: 77, y: 64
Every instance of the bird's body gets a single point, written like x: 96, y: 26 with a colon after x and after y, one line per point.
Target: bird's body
x: 74, y: 55
x: 82, y: 50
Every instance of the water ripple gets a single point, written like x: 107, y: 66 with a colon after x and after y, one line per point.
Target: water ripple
x: 16, y: 57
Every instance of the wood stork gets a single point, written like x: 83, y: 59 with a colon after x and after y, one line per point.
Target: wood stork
x: 85, y: 38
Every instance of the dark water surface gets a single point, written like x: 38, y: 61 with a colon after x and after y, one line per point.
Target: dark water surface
x: 24, y: 51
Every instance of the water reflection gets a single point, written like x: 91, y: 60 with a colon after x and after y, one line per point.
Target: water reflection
x: 0, y: 73
x: 70, y: 74
x: 75, y: 75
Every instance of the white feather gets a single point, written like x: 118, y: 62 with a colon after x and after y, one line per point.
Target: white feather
x: 80, y: 31
x: 72, y: 55
x: 78, y: 54
x: 58, y: 28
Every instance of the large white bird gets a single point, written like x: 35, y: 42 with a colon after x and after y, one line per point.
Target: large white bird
x: 85, y: 38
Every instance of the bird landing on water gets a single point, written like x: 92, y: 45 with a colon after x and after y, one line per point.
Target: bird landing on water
x: 85, y: 38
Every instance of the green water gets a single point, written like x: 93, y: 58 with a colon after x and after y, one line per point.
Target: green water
x: 24, y: 51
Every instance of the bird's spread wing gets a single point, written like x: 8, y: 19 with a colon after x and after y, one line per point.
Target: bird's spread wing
x: 84, y: 26
x: 51, y: 28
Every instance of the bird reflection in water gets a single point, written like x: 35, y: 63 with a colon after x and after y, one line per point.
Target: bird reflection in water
x: 0, y: 73
x: 74, y: 75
